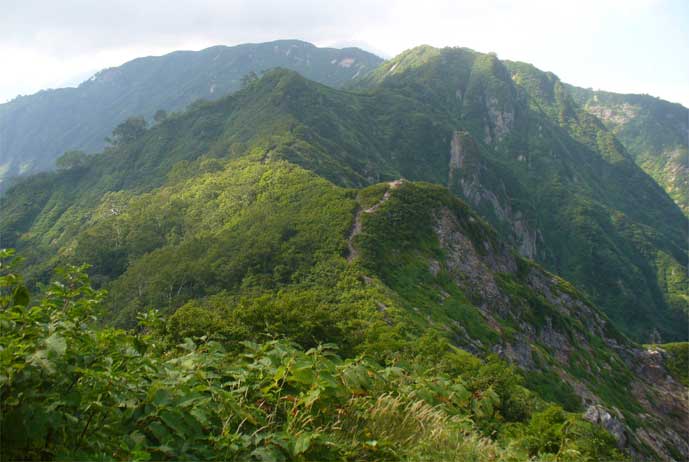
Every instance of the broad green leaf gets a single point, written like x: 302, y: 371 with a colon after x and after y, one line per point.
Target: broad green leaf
x: 303, y: 443
x: 20, y: 297
x: 56, y: 344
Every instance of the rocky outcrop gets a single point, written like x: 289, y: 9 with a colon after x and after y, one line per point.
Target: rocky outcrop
x: 473, y: 271
x: 661, y: 396
x: 456, y: 157
x: 557, y: 321
x: 615, y: 115
x: 500, y: 120
x: 600, y: 416
x: 465, y: 175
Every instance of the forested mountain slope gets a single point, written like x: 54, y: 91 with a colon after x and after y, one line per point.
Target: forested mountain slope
x: 549, y: 174
x: 254, y: 247
x: 35, y: 130
x: 556, y: 183
x: 654, y: 131
x: 296, y: 210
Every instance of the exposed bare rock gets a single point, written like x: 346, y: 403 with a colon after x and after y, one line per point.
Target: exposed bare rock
x: 559, y: 344
x: 456, y: 156
x: 526, y: 237
x: 613, y: 114
x: 465, y: 172
x: 649, y: 365
x: 434, y: 267
x: 519, y: 352
x: 475, y: 267
x: 661, y: 396
x: 466, y: 265
x: 601, y: 416
x: 501, y: 120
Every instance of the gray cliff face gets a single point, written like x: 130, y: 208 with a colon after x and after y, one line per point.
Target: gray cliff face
x: 660, y: 394
x: 471, y: 272
x: 466, y: 172
x: 500, y: 120
x: 481, y: 273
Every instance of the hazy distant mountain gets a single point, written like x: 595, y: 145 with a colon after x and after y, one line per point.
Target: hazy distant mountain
x: 36, y: 129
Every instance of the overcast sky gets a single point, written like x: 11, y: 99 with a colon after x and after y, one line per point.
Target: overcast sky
x: 635, y: 46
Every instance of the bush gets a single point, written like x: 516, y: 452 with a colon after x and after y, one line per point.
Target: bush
x: 72, y: 390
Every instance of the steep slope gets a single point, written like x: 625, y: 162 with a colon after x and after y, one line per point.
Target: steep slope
x: 452, y: 271
x: 339, y: 135
x: 234, y: 219
x: 549, y: 174
x: 36, y: 129
x: 259, y: 246
x: 655, y: 132
x: 212, y: 397
x: 553, y: 180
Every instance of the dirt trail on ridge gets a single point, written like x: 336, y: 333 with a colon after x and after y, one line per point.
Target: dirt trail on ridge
x: 356, y: 228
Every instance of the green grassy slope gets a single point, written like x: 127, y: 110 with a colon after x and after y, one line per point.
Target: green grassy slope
x: 101, y: 393
x: 236, y: 219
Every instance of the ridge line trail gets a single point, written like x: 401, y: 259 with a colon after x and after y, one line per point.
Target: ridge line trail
x: 356, y: 228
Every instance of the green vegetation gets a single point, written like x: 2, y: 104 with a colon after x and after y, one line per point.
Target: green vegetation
x: 678, y: 361
x: 574, y: 212
x: 354, y: 139
x: 231, y: 246
x: 652, y: 130
x: 552, y: 388
x: 549, y: 175
x: 537, y: 159
x: 72, y: 390
x: 71, y: 159
x: 37, y: 129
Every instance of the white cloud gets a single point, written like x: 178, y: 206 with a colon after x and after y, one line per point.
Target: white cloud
x: 621, y: 45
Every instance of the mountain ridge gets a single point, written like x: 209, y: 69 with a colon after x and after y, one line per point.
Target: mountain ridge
x: 505, y: 157
x: 356, y: 139
x: 390, y: 217
x: 665, y: 160
x: 235, y: 241
x: 656, y: 133
x: 80, y: 118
